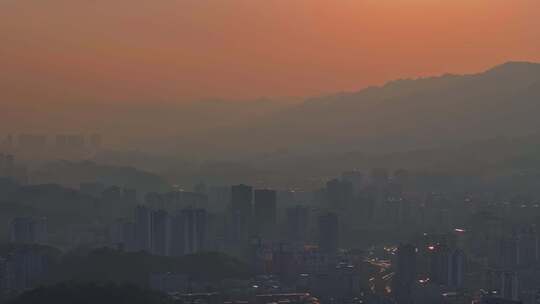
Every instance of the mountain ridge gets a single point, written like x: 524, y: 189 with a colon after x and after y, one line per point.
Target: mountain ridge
x: 400, y: 115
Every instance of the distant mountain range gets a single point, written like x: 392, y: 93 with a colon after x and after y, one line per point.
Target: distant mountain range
x: 401, y: 115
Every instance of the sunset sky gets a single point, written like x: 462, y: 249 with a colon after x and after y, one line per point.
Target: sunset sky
x: 180, y: 50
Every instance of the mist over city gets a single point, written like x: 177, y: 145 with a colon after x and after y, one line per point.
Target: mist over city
x: 270, y: 152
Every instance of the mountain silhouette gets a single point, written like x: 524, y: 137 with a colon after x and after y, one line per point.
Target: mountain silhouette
x: 401, y: 115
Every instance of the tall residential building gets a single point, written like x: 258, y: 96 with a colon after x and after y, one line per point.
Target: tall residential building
x: 328, y: 232
x: 23, y: 269
x: 29, y: 230
x: 401, y: 177
x: 379, y: 179
x: 339, y: 194
x: 122, y: 235
x: 218, y: 198
x: 160, y: 232
x: 265, y: 212
x: 241, y: 212
x: 508, y: 252
x: 154, y: 200
x: 510, y: 285
x: 142, y: 228
x: 447, y: 266
x: 4, y: 274
x: 405, y: 274
x: 457, y: 268
x: 189, y: 232
x: 527, y: 242
x: 200, y: 188
x: 504, y: 284
x: 355, y: 178
x: 297, y: 223
x: 193, y: 199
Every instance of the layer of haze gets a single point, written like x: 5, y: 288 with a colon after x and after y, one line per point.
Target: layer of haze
x: 179, y: 50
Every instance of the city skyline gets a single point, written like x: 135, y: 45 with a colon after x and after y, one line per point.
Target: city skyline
x: 270, y: 151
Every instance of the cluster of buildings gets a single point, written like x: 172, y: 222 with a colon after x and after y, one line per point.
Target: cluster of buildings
x: 421, y: 269
x: 24, y: 265
x: 449, y: 268
x: 454, y: 247
x: 63, y: 145
x: 23, y: 269
x: 29, y: 230
x: 298, y: 244
x: 28, y: 141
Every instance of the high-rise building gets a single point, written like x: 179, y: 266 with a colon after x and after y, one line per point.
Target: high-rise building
x: 122, y: 235
x: 193, y: 199
x: 379, y: 180
x: 241, y: 212
x: 142, y: 228
x: 503, y: 284
x: 4, y: 274
x: 457, y: 265
x: 154, y: 200
x: 160, y: 232
x: 23, y: 269
x: 172, y: 200
x: 527, y: 242
x: 405, y: 274
x: 218, y: 198
x: 447, y: 266
x: 401, y: 177
x: 200, y: 188
x: 265, y: 212
x: 328, y: 233
x: 189, y: 231
x: 339, y: 194
x: 297, y: 223
x: 508, y: 252
x: 29, y: 230
x: 510, y: 285
x: 355, y: 178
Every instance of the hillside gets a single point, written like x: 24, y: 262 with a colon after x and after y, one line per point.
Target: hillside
x: 401, y: 115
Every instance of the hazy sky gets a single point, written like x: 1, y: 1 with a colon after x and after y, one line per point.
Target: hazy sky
x: 127, y: 50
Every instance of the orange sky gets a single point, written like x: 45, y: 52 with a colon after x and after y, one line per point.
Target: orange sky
x: 139, y: 50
